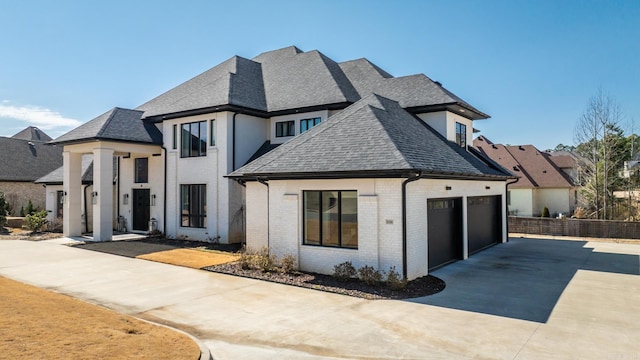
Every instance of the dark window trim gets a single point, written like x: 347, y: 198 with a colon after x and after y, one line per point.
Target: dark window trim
x: 285, y: 128
x: 339, y: 205
x: 212, y: 132
x: 202, y: 191
x: 461, y: 136
x: 314, y: 121
x: 175, y: 137
x: 189, y: 151
x: 137, y: 177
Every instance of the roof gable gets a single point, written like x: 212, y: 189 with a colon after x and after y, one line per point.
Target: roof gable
x: 32, y: 133
x: 116, y: 124
x: 374, y: 134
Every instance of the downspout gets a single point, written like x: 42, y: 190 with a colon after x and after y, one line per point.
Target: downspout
x: 86, y: 217
x: 233, y: 142
x: 164, y: 196
x: 118, y: 188
x: 265, y: 183
x: 506, y: 187
x: 404, y: 221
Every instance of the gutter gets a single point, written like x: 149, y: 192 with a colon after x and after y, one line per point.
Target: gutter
x: 418, y: 176
x: 233, y: 142
x: 506, y: 187
x: 164, y: 196
x: 86, y: 217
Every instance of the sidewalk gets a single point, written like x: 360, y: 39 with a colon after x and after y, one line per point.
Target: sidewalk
x: 240, y: 318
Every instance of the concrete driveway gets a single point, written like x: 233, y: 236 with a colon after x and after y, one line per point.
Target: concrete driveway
x: 528, y: 299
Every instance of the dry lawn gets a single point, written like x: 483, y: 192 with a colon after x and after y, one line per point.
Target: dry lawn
x: 38, y: 324
x: 192, y: 258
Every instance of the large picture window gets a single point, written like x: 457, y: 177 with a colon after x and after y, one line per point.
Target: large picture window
x: 461, y: 134
x: 330, y: 218
x: 306, y: 124
x: 285, y: 128
x: 194, y: 139
x: 193, y: 200
x: 142, y: 170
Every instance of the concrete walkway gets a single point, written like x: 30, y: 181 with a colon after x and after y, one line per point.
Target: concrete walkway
x: 528, y: 299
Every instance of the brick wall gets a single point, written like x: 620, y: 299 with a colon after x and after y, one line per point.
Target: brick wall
x: 18, y: 195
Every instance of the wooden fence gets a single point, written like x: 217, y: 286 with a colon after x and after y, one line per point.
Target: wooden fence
x: 575, y: 227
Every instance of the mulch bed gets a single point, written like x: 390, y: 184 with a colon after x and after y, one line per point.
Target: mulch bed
x: 424, y: 286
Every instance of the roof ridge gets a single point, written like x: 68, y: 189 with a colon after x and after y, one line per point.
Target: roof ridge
x: 522, y: 169
x: 105, y: 125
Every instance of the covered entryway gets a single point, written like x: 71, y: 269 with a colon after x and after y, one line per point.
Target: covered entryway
x: 444, y: 217
x: 141, y: 209
x: 484, y: 222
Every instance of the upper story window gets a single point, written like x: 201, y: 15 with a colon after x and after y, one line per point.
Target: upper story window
x: 142, y: 170
x: 285, y: 128
x: 194, y: 139
x: 461, y: 134
x: 212, y: 132
x: 330, y: 218
x: 175, y: 137
x: 306, y: 124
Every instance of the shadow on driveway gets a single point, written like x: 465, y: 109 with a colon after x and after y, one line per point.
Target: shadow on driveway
x: 522, y: 279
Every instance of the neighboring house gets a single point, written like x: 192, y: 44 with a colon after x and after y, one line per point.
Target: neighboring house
x: 24, y: 158
x: 343, y: 162
x: 544, y: 180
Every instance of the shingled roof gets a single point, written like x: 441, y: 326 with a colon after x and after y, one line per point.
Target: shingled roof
x: 290, y: 79
x: 32, y: 133
x: 373, y: 136
x: 534, y: 167
x: 116, y: 124
x: 56, y: 176
x: 25, y: 160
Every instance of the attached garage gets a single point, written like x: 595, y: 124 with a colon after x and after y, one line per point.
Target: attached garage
x: 484, y: 214
x: 444, y: 231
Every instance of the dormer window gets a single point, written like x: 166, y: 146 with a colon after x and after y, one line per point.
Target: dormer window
x: 306, y: 124
x: 461, y: 134
x: 285, y: 128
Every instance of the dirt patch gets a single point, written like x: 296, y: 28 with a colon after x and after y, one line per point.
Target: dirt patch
x: 193, y: 258
x: 40, y: 324
x: 22, y: 234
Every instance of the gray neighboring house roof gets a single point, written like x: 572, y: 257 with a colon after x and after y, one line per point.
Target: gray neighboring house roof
x: 116, y: 124
x: 32, y: 133
x: 26, y: 160
x: 56, y: 176
x: 374, y: 136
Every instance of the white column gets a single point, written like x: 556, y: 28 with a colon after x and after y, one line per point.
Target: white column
x: 71, y: 184
x: 103, y: 194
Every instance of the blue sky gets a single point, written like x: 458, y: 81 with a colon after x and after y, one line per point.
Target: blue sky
x: 531, y: 65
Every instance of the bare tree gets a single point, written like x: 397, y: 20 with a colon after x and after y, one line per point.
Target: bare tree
x: 596, y: 132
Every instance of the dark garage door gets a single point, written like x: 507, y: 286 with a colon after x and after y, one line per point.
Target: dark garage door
x: 445, y: 231
x: 484, y: 222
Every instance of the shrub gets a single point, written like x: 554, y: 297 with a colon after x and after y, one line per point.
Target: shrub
x: 288, y: 264
x: 369, y: 275
x: 36, y: 221
x: 394, y: 280
x: 4, y: 210
x: 263, y: 260
x: 580, y: 213
x: 250, y: 259
x: 344, y: 271
x: 545, y: 212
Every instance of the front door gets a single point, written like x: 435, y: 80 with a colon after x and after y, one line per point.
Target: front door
x: 141, y: 209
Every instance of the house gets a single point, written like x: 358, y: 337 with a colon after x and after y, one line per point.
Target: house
x: 544, y: 180
x: 26, y: 157
x: 291, y: 150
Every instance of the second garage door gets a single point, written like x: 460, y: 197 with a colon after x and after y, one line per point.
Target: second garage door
x: 484, y: 222
x: 444, y: 231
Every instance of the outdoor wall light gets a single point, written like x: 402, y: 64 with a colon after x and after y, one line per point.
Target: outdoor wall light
x: 64, y: 197
x: 447, y: 187
x: 125, y: 199
x: 94, y: 197
x: 487, y: 187
x: 153, y: 200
